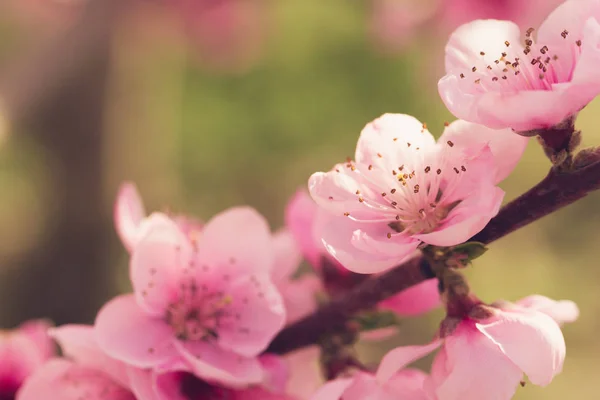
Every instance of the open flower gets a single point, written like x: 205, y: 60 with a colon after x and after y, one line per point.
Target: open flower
x: 131, y: 221
x: 22, y: 352
x: 501, y: 79
x: 404, y: 189
x: 208, y: 302
x: 86, y: 373
x: 391, y: 381
x: 485, y: 359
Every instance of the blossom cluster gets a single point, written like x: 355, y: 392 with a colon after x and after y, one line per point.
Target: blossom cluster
x: 208, y: 298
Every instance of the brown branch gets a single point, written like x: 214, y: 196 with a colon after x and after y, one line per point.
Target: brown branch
x: 557, y: 190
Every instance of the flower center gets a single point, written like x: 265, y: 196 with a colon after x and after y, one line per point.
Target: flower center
x: 424, y: 221
x: 198, y: 317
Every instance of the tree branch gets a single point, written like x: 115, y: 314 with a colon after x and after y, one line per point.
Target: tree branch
x: 558, y: 189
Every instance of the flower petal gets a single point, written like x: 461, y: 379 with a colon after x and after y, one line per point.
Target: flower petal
x: 128, y: 215
x: 466, y: 219
x: 387, y: 137
x: 305, y: 372
x: 142, y: 384
x: 506, y: 147
x: 407, y: 384
x: 257, y: 315
x: 468, y: 356
x: 158, y: 262
x: 532, y: 340
x: 78, y: 342
x: 62, y: 380
x: 400, y: 357
x: 300, y: 296
x: 364, y: 248
x: 276, y: 372
x: 287, y: 256
x: 300, y: 215
x: 240, y: 235
x: 214, y: 364
x: 416, y: 300
x: 570, y: 16
x: 125, y: 332
x: 333, y: 390
x: 562, y: 311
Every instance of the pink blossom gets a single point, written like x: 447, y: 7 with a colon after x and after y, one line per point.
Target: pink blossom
x: 22, y: 352
x: 391, y: 381
x: 207, y: 302
x: 131, y: 221
x: 498, y: 78
x: 305, y: 220
x: 404, y: 189
x: 304, y: 370
x: 87, y: 373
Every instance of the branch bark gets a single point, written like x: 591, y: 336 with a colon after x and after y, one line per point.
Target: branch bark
x: 557, y: 190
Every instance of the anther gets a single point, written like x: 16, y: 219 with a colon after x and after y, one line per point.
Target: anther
x: 544, y: 49
x: 360, y: 199
x: 504, y: 54
x: 393, y: 191
x: 450, y: 143
x: 383, y: 194
x: 346, y: 214
x: 462, y: 167
x: 578, y: 43
x: 495, y: 79
x: 389, y: 235
x: 379, y: 155
x: 482, y: 53
x: 528, y: 42
x: 462, y: 76
x: 564, y: 34
x: 529, y: 32
x: 439, y: 171
x: 416, y: 188
x: 427, y: 169
x: 507, y: 43
x: 456, y: 170
x: 370, y: 167
x: 394, y: 203
x: 474, y: 69
x: 358, y: 192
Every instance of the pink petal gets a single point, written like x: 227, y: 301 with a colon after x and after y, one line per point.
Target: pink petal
x: 287, y: 256
x: 466, y: 219
x: 466, y: 43
x: 305, y: 372
x: 62, y: 380
x: 276, y: 372
x: 468, y: 357
x: 532, y: 340
x: 562, y: 311
x: 166, y: 383
x: 416, y: 300
x: 585, y: 83
x: 407, y: 384
x: 143, y: 385
x: 158, y: 262
x: 240, y: 235
x: 257, y: 393
x: 571, y: 16
x: 212, y: 363
x: 336, y: 192
x: 400, y: 357
x: 333, y: 390
x: 129, y: 213
x: 300, y: 215
x: 507, y: 147
x: 259, y: 312
x: 78, y: 342
x: 364, y: 248
x: 300, y: 296
x: 378, y: 137
x: 37, y: 332
x: 126, y: 333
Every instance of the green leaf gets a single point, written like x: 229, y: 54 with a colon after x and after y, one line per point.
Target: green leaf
x: 372, y: 320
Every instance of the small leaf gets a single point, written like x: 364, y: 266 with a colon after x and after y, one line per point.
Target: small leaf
x: 372, y: 320
x: 471, y: 250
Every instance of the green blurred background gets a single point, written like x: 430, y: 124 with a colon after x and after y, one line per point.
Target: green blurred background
x: 198, y: 139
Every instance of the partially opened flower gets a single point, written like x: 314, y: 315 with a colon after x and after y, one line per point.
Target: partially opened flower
x: 500, y: 78
x: 208, y: 302
x: 22, y: 352
x: 485, y: 358
x: 131, y: 220
x: 404, y: 189
x: 391, y: 381
x: 86, y: 373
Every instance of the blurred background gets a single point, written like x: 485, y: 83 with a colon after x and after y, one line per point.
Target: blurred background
x: 207, y: 104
